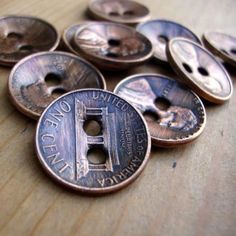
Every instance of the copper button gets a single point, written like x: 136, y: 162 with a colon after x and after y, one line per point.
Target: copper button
x: 119, y: 11
x: 112, y: 46
x: 69, y: 34
x: 40, y: 78
x: 21, y: 36
x: 95, y: 161
x: 175, y: 115
x: 199, y: 69
x: 160, y: 32
x: 221, y: 45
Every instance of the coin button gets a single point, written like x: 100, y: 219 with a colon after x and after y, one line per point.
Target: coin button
x: 119, y: 11
x: 199, y: 69
x: 40, y: 78
x: 94, y: 163
x: 221, y: 45
x: 112, y: 46
x: 19, y: 42
x: 175, y: 115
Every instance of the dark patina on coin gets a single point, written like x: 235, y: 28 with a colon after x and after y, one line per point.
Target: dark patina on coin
x: 200, y: 70
x: 21, y: 36
x: 160, y: 32
x: 69, y: 34
x: 175, y: 115
x: 40, y: 78
x: 119, y: 11
x: 221, y: 45
x: 64, y: 145
x: 112, y: 46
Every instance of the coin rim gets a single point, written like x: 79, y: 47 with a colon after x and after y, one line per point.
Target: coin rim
x: 91, y: 190
x: 23, y: 109
x: 214, y: 50
x: 139, y: 26
x: 55, y: 45
x: 105, y: 59
x: 135, y: 21
x: 185, y: 78
x: 160, y: 142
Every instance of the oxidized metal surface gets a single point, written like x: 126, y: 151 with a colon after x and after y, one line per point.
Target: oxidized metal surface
x: 175, y: 115
x: 21, y: 36
x: 119, y: 11
x: 160, y: 32
x: 112, y: 46
x: 200, y: 70
x: 63, y: 144
x: 69, y: 34
x: 221, y: 45
x: 38, y: 79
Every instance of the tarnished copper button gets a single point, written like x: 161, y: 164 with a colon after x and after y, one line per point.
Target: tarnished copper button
x: 112, y: 46
x: 175, y: 115
x: 199, y: 69
x: 160, y: 32
x: 221, y: 45
x: 69, y: 34
x: 21, y: 36
x: 119, y: 11
x: 92, y: 162
x: 40, y: 78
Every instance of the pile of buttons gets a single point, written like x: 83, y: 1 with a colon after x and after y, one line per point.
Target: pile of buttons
x: 93, y: 140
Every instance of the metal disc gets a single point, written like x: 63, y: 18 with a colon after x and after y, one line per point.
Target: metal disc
x: 119, y: 11
x: 175, y: 115
x: 64, y: 145
x: 40, y: 78
x: 21, y: 36
x: 112, y: 46
x: 221, y: 45
x: 200, y: 70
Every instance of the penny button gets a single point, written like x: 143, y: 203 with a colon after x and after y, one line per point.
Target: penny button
x: 119, y: 11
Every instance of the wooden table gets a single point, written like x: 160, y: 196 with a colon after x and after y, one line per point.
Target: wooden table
x: 188, y: 190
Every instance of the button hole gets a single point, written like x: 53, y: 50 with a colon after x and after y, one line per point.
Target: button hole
x: 26, y: 48
x: 233, y: 51
x: 128, y: 13
x: 114, y: 42
x: 14, y: 35
x: 150, y: 116
x: 92, y: 127
x: 163, y: 39
x: 52, y: 79
x: 162, y: 103
x: 96, y: 156
x: 57, y: 92
x: 187, y: 68
x: 202, y: 71
x: 113, y: 13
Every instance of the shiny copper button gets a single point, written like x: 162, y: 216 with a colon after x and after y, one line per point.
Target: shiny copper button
x: 92, y: 162
x: 221, y: 45
x: 21, y: 36
x: 199, y: 69
x: 119, y: 11
x: 69, y: 34
x: 160, y: 32
x: 40, y: 78
x: 175, y: 115
x: 112, y: 46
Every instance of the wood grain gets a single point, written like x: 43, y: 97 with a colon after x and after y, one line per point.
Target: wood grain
x: 187, y: 191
